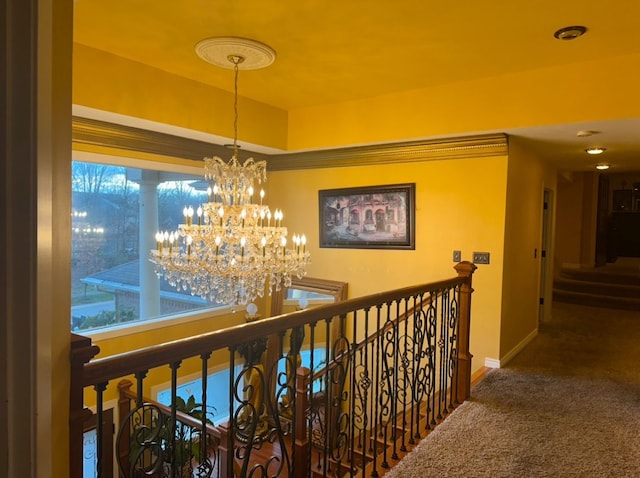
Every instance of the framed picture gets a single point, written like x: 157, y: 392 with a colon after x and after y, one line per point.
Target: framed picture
x: 372, y: 217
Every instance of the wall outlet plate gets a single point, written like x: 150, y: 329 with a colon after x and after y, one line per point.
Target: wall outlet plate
x: 457, y: 256
x: 481, y: 258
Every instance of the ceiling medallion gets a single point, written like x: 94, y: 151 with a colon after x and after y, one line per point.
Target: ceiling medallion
x: 218, y: 51
x: 570, y: 33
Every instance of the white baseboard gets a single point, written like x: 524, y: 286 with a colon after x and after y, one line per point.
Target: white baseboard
x: 498, y: 363
x: 491, y: 363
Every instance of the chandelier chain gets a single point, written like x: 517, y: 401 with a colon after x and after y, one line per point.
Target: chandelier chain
x: 236, y: 62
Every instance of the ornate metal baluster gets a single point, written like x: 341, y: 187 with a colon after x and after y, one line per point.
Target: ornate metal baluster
x: 446, y: 350
x: 175, y: 457
x: 421, y: 362
x: 415, y: 367
x: 206, y: 463
x: 229, y: 459
x: 376, y: 374
x: 310, y: 413
x: 100, y: 388
x: 454, y: 315
x: 338, y: 369
x: 394, y: 357
x: 432, y: 331
x: 404, y: 387
x: 251, y: 419
x: 352, y: 386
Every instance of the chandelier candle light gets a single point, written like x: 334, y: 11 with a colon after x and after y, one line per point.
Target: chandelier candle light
x: 231, y: 249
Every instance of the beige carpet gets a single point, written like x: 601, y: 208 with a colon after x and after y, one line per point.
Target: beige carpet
x: 566, y: 406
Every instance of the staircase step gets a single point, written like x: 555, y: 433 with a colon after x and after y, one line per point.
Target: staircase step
x: 597, y: 300
x: 602, y: 276
x: 598, y: 288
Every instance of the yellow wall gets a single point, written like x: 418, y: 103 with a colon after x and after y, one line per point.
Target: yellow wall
x: 565, y: 94
x: 111, y: 83
x: 460, y: 204
x: 527, y: 178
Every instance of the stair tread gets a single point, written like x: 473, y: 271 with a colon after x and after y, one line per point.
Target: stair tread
x: 597, y: 300
x: 563, y: 280
x: 590, y: 294
x: 599, y: 290
x: 603, y: 277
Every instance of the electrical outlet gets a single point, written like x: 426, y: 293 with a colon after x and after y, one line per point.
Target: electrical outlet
x: 457, y: 256
x: 480, y: 257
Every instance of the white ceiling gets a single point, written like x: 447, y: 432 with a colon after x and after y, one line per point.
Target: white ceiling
x: 329, y: 52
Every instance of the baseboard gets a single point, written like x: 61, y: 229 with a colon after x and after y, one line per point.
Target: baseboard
x: 491, y: 363
x: 498, y: 363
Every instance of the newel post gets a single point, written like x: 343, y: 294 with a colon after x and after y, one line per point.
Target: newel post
x: 301, y: 460
x: 465, y: 270
x: 82, y: 351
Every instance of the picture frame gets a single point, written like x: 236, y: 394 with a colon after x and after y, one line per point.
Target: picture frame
x: 370, y: 217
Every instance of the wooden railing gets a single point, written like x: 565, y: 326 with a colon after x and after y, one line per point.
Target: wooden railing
x: 343, y: 389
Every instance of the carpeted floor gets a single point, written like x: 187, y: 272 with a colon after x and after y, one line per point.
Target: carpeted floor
x: 567, y: 406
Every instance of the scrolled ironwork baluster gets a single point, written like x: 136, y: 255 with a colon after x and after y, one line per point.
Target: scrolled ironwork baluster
x: 415, y: 369
x: 386, y: 390
x: 422, y: 364
x: 405, y: 385
x: 206, y: 462
x: 173, y: 455
x: 142, y: 429
x: 100, y: 388
x: 353, y: 351
x: 432, y: 331
x: 375, y: 416
x: 454, y: 325
x: 395, y: 359
x: 361, y: 415
x: 338, y: 370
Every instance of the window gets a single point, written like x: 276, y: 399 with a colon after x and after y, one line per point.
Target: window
x: 116, y: 211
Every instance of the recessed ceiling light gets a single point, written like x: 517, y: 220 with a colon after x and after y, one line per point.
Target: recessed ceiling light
x: 602, y: 166
x: 586, y: 132
x: 595, y: 150
x: 570, y: 33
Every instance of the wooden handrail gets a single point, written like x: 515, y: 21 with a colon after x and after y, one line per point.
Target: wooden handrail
x: 116, y: 366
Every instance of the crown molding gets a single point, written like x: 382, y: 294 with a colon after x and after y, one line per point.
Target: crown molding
x: 103, y: 134
x: 426, y: 150
x: 97, y: 133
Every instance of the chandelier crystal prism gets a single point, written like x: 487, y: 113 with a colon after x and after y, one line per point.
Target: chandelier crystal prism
x: 231, y: 249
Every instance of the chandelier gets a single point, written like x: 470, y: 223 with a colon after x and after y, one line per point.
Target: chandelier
x: 231, y: 248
